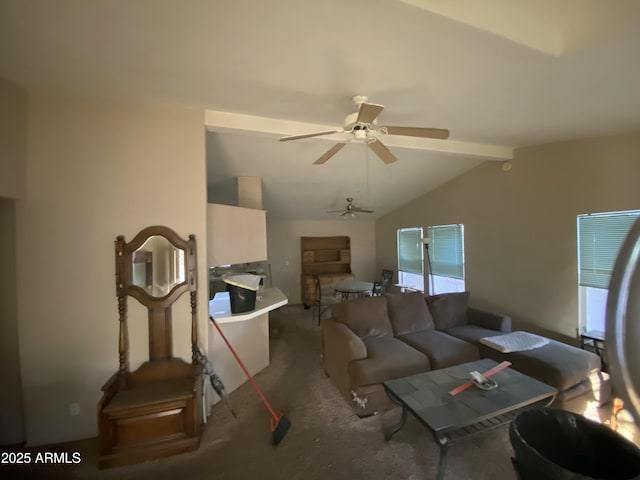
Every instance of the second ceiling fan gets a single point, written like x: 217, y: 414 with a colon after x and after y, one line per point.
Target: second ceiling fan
x: 350, y: 209
x: 362, y: 123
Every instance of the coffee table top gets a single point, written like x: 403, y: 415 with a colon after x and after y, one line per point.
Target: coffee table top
x: 426, y: 395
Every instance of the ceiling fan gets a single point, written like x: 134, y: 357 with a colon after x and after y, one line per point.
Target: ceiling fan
x: 350, y: 209
x: 362, y: 124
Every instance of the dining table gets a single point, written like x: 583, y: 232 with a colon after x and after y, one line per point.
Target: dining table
x: 352, y: 289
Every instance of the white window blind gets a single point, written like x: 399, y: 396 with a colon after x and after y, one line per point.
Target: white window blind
x: 410, y: 257
x: 600, y: 237
x: 446, y: 250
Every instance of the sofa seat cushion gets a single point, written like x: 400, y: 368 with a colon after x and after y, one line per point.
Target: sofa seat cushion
x: 449, y: 309
x: 442, y: 350
x: 366, y: 317
x: 557, y: 364
x: 408, y: 312
x: 471, y: 333
x: 387, y: 358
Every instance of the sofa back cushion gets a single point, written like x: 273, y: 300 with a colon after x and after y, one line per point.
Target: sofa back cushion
x: 366, y: 317
x: 449, y: 309
x: 408, y: 313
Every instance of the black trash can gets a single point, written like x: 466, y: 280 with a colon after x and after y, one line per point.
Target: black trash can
x: 556, y: 444
x: 242, y: 299
x: 242, y: 291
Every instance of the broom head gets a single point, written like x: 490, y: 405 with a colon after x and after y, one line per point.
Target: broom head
x: 279, y: 427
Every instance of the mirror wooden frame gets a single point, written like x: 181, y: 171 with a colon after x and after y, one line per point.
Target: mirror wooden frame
x: 160, y: 338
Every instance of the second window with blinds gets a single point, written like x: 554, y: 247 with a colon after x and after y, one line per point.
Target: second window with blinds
x: 446, y: 258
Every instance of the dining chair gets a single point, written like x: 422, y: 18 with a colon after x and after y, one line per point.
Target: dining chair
x: 386, y: 280
x: 324, y: 298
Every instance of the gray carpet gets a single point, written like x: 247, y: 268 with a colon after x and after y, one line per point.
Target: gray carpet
x: 326, y: 440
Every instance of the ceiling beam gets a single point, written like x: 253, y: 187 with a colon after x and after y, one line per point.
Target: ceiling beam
x: 221, y: 121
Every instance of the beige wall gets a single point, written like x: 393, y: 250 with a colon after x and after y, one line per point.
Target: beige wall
x: 283, y: 249
x: 520, y: 226
x: 13, y: 138
x: 96, y: 170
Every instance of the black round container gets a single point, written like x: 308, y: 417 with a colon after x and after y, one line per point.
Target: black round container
x: 242, y: 299
x: 556, y: 444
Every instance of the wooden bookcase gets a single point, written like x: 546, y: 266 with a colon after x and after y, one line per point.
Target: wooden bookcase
x: 327, y: 257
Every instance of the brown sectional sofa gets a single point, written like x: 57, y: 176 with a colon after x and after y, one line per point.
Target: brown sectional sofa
x: 370, y: 340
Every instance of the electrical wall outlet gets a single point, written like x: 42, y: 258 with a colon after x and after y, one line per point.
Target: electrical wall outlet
x: 74, y: 409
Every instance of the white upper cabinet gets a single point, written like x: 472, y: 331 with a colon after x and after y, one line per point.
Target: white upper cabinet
x: 235, y: 235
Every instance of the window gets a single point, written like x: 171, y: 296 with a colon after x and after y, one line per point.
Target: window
x: 410, y: 258
x: 600, y: 236
x: 446, y: 257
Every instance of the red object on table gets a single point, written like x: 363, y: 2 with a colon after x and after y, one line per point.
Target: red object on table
x: 488, y: 373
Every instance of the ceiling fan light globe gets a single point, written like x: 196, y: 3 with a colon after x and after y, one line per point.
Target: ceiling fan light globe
x: 360, y: 134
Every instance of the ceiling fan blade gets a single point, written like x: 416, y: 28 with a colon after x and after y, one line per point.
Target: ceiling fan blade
x: 308, y: 135
x: 439, y: 133
x: 369, y: 112
x: 345, y: 213
x: 383, y: 152
x: 335, y: 211
x: 361, y: 210
x: 329, y: 153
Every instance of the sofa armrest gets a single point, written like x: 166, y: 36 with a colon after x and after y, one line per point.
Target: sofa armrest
x: 490, y: 320
x: 338, y: 339
x: 340, y: 345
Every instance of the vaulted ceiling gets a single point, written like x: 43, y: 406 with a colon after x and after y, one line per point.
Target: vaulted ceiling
x: 498, y: 74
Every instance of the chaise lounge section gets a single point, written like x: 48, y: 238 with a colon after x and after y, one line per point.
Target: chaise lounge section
x: 570, y: 370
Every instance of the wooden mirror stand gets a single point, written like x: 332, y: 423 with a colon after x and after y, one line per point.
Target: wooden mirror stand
x: 152, y: 412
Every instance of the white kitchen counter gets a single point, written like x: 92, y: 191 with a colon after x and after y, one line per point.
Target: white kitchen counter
x: 248, y: 334
x: 272, y: 298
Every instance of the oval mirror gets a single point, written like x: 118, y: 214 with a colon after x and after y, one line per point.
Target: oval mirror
x: 158, y: 266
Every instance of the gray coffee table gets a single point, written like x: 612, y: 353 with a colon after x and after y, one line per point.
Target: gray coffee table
x: 471, y: 412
